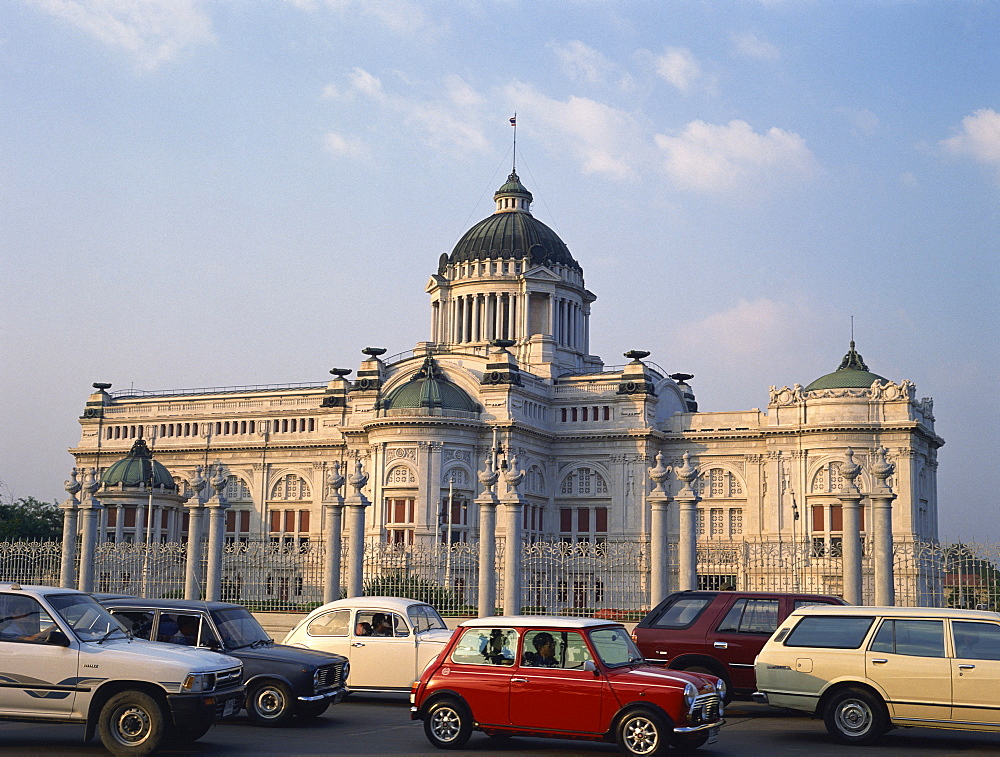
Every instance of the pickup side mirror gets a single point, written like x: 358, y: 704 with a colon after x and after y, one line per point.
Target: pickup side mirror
x: 57, y: 638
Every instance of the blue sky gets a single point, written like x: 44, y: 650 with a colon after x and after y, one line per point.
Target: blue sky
x: 198, y: 194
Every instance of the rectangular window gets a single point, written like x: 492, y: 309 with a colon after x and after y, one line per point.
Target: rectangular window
x: 244, y: 520
x: 836, y: 518
x: 486, y: 646
x: 230, y: 520
x: 583, y: 520
x: 565, y: 520
x: 303, y: 521
x: 289, y: 521
x: 276, y: 520
x: 976, y: 641
x: 826, y: 632
x: 601, y: 517
x: 817, y: 518
x: 682, y: 612
x: 751, y: 616
x: 916, y: 638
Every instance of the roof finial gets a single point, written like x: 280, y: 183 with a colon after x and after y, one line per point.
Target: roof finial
x: 513, y: 162
x: 852, y: 332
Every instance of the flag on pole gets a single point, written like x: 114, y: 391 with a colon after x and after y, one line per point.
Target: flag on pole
x: 513, y: 121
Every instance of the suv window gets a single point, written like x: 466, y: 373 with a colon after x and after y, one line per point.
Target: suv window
x: 830, y: 632
x: 976, y: 641
x: 751, y: 616
x: 486, y: 646
x: 683, y: 612
x: 917, y: 638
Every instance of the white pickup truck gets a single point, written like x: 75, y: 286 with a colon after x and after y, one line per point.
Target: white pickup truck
x: 65, y: 659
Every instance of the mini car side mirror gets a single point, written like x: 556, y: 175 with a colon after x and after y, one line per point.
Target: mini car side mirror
x: 591, y: 666
x: 57, y: 638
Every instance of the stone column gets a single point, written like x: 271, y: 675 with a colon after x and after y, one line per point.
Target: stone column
x: 687, y: 539
x: 90, y: 509
x: 850, y: 499
x: 216, y: 507
x: 356, y: 504
x: 70, y: 508
x: 192, y: 569
x: 881, y: 498
x: 659, y: 502
x: 334, y: 508
x: 487, y: 503
x: 513, y: 515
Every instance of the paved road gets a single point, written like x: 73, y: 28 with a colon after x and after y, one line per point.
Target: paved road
x: 381, y: 725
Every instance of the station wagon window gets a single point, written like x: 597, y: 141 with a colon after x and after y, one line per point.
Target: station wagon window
x: 486, y: 646
x: 826, y: 632
x: 751, y: 616
x: 614, y: 647
x: 917, y: 638
x: 330, y: 624
x: 976, y: 641
x: 554, y: 649
x: 683, y: 612
x: 138, y: 622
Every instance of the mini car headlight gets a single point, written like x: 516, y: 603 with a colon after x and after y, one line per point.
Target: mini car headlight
x: 196, y: 683
x: 720, y: 686
x: 690, y: 694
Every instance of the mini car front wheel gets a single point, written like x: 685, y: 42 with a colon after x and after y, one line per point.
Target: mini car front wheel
x: 644, y: 733
x: 854, y: 716
x: 270, y: 703
x: 131, y: 724
x: 448, y: 724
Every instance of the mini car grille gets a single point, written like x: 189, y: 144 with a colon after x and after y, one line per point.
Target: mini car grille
x: 705, y: 709
x: 329, y: 676
x: 226, y: 678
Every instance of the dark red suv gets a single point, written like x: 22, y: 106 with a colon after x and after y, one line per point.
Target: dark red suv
x: 717, y: 632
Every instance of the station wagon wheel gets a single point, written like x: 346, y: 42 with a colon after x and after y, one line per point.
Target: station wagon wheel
x: 448, y: 724
x: 131, y: 724
x: 854, y: 716
x: 644, y: 733
x: 270, y: 703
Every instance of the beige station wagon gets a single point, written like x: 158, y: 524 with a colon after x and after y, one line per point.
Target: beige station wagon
x: 865, y: 670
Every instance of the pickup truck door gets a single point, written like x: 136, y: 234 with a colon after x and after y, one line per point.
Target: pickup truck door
x: 37, y: 679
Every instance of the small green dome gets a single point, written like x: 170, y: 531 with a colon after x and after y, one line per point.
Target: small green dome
x: 430, y: 389
x: 138, y: 467
x: 852, y: 374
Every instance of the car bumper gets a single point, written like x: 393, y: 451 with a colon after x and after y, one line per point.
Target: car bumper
x: 699, y: 727
x: 215, y: 704
x: 334, y: 695
x: 759, y: 697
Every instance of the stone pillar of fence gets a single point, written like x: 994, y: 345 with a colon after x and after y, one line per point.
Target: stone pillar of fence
x: 90, y: 511
x: 71, y: 510
x: 487, y: 503
x: 687, y: 539
x: 850, y: 500
x: 216, y: 507
x: 659, y: 502
x: 356, y: 503
x: 881, y: 498
x: 334, y: 508
x: 196, y: 514
x: 513, y: 506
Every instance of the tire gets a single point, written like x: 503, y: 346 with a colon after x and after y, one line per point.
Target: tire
x: 270, y: 703
x: 131, y: 723
x: 190, y: 732
x: 448, y: 724
x: 643, y: 733
x: 310, y: 710
x: 709, y: 671
x: 855, y: 716
x: 685, y: 743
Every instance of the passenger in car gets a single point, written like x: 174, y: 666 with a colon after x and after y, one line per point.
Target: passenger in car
x: 187, y: 631
x: 363, y: 629
x: 381, y: 625
x: 495, y: 648
x: 544, y: 654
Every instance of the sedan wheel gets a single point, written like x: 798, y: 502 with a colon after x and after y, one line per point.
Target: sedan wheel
x: 642, y: 733
x: 270, y: 703
x: 448, y: 724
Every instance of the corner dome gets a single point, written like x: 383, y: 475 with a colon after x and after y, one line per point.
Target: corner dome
x: 138, y: 467
x: 852, y: 374
x: 429, y: 389
x: 511, y: 233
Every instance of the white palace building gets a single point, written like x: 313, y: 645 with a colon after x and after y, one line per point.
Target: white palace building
x: 507, y: 374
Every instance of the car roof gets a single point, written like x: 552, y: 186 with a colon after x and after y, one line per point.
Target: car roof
x: 399, y: 604
x: 36, y: 589
x: 899, y: 612
x: 119, y: 600
x: 536, y: 621
x: 713, y: 592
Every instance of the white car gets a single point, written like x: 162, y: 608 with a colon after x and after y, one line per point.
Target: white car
x: 389, y: 640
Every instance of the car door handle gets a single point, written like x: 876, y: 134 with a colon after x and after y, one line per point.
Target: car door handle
x: 966, y: 667
x: 879, y: 661
x: 518, y: 680
x: 721, y: 645
x: 358, y: 644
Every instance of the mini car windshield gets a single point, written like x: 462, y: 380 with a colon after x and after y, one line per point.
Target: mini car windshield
x: 614, y: 647
x: 424, y: 618
x: 89, y: 620
x: 239, y: 628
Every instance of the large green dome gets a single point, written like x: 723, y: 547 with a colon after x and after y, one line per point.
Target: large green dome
x: 511, y: 233
x: 852, y: 374
x: 429, y: 389
x: 138, y: 467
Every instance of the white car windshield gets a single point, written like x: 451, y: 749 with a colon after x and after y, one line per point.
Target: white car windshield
x: 424, y: 618
x: 89, y: 620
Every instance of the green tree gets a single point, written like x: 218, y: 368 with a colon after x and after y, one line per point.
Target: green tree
x: 27, y: 519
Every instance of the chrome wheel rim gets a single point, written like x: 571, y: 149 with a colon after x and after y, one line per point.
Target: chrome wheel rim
x: 854, y: 717
x: 130, y: 725
x: 641, y: 735
x: 445, y: 724
x: 269, y: 703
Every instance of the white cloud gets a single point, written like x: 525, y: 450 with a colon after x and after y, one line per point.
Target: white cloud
x: 678, y: 66
x: 366, y: 83
x: 721, y: 158
x: 580, y: 61
x: 402, y: 17
x: 864, y: 121
x: 979, y: 138
x: 749, y: 328
x: 752, y: 46
x: 340, y: 144
x: 152, y: 31
x: 440, y: 127
x: 598, y: 134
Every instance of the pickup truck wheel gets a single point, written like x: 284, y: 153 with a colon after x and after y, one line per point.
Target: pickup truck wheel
x: 643, y: 733
x: 854, y: 716
x: 448, y: 724
x: 270, y: 703
x: 309, y: 710
x: 131, y: 723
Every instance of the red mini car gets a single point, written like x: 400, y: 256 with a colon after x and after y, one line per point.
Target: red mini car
x: 568, y: 678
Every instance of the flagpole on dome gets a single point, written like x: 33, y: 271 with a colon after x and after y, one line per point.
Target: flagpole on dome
x: 513, y: 165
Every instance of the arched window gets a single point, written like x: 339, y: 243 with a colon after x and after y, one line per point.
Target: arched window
x: 290, y: 487
x: 400, y: 475
x: 456, y: 476
x: 237, y: 490
x: 585, y: 482
x: 718, y: 483
x: 828, y: 479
